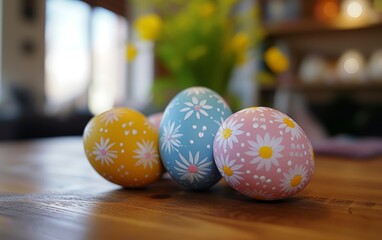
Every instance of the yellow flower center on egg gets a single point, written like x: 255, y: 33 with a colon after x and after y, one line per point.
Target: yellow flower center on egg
x: 296, y: 180
x: 227, y: 171
x: 289, y: 122
x: 227, y: 133
x: 265, y: 152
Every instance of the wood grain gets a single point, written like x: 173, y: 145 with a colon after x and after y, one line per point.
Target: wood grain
x: 48, y: 190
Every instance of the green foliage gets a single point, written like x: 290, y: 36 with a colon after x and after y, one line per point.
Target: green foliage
x: 196, y: 43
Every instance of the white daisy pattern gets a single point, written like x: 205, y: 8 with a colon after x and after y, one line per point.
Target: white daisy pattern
x: 312, y: 160
x: 196, y: 91
x: 221, y: 101
x: 294, y: 180
x: 111, y: 116
x: 252, y: 110
x: 287, y: 124
x: 192, y: 169
x: 228, y: 132
x: 146, y: 154
x: 265, y: 151
x: 199, y: 107
x: 230, y: 171
x: 170, y: 137
x: 103, y: 152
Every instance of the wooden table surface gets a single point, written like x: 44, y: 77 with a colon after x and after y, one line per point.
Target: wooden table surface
x: 48, y: 190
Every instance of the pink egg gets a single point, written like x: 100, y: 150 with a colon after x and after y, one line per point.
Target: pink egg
x: 155, y: 119
x: 264, y: 154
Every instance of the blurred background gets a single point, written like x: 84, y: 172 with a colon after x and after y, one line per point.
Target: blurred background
x: 319, y: 61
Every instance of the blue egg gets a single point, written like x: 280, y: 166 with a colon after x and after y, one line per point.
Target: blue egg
x: 186, y: 135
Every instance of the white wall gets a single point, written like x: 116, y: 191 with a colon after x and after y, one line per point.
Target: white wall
x: 19, y: 68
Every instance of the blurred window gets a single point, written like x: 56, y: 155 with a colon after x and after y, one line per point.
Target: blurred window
x: 1, y: 51
x: 109, y: 34
x: 85, y: 56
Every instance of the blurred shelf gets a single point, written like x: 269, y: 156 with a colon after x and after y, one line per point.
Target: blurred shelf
x: 268, y: 88
x: 304, y: 36
x: 322, y: 87
x: 306, y: 26
x: 339, y: 87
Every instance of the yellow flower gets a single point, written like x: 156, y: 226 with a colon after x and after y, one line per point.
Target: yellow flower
x: 148, y: 27
x: 207, y: 9
x: 276, y: 60
x: 240, y: 42
x: 241, y: 58
x: 197, y: 52
x: 131, y: 52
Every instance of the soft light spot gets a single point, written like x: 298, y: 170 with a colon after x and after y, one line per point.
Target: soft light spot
x: 351, y: 65
x: 354, y: 9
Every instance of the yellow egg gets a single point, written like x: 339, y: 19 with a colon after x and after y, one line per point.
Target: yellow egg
x: 122, y: 146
